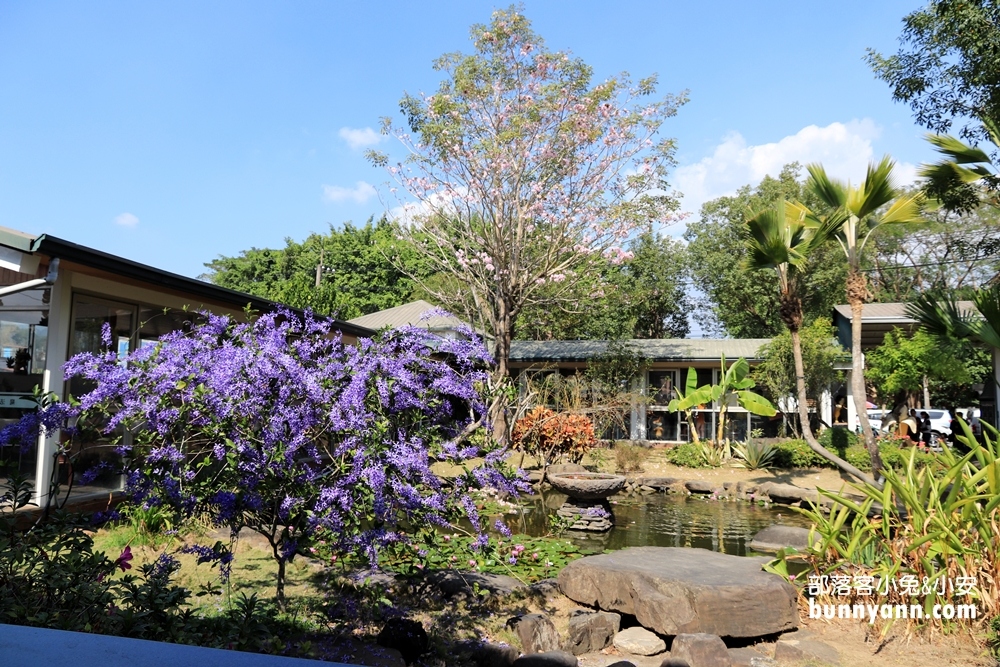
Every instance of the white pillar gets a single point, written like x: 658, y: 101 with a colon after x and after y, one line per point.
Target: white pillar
x: 852, y: 412
x: 638, y: 417
x: 56, y: 350
x: 826, y: 407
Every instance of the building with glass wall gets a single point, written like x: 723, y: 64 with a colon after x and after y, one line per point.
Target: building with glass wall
x: 55, y: 298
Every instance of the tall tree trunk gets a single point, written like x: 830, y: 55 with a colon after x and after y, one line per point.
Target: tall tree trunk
x: 501, y: 351
x: 803, y: 409
x: 857, y: 290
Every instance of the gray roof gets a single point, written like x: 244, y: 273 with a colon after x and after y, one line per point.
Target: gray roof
x: 672, y: 349
x: 891, y: 312
x: 413, y: 313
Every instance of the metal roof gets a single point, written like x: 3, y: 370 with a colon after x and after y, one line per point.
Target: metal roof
x: 413, y: 313
x: 54, y: 246
x: 672, y: 349
x: 878, y: 319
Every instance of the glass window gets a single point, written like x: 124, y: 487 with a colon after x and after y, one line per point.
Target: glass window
x: 90, y: 315
x: 661, y: 386
x: 24, y: 318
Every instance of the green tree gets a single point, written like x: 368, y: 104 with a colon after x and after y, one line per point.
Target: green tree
x: 781, y: 237
x: 857, y: 211
x: 364, y: 269
x: 820, y: 353
x: 642, y: 297
x: 738, y: 300
x: 947, y: 67
x: 923, y: 368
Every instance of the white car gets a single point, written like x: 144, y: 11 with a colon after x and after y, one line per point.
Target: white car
x: 940, y: 421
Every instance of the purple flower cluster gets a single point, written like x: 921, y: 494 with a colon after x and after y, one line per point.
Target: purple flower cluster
x: 280, y: 426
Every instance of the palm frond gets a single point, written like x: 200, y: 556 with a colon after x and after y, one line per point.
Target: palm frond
x: 987, y: 330
x: 956, y: 150
x: 941, y: 317
x: 830, y: 192
x: 877, y: 190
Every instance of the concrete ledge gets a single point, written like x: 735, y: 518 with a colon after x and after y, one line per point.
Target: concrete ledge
x: 22, y: 646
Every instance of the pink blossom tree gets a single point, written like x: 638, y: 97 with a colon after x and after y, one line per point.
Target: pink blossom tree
x: 520, y: 173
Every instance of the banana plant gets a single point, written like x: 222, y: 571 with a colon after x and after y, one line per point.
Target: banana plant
x: 687, y: 399
x: 734, y: 385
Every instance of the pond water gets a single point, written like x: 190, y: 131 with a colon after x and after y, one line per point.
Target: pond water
x: 661, y: 520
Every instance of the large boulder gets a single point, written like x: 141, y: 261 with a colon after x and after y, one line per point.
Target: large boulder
x: 677, y: 591
x: 591, y: 630
x: 536, y: 632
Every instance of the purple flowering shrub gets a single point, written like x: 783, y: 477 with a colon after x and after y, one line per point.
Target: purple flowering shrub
x: 278, y: 426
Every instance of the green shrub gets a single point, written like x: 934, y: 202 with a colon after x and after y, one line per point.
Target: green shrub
x: 754, y: 454
x: 686, y: 455
x: 796, y: 454
x: 934, y: 524
x: 838, y: 440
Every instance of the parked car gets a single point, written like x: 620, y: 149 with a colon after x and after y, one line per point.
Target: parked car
x: 940, y: 421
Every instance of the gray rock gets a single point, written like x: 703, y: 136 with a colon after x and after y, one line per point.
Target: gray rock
x: 776, y: 537
x: 487, y: 654
x: 547, y: 659
x: 699, y: 486
x: 546, y: 588
x: 536, y: 632
x: 452, y: 582
x: 671, y: 661
x: 639, y: 641
x: 586, y: 485
x: 675, y: 591
x: 748, y: 657
x: 788, y: 650
x: 591, y: 630
x: 659, y: 483
x: 788, y: 494
x: 370, y: 656
x: 700, y: 650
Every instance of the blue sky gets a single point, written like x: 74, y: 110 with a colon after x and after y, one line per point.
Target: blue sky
x: 171, y: 133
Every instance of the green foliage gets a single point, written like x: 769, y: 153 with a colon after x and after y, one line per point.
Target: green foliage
x: 932, y: 522
x: 901, y: 363
x: 820, y: 351
x: 946, y: 66
x: 797, y: 454
x: 366, y: 269
x: 686, y: 455
x: 838, y: 439
x: 643, y: 297
x: 755, y: 454
x: 51, y: 577
x: 534, y: 558
x: 629, y: 458
x: 740, y: 301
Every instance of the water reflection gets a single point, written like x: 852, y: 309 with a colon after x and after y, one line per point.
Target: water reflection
x: 661, y: 520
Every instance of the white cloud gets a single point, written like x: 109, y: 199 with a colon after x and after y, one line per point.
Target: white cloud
x: 844, y: 149
x: 126, y: 220
x: 360, y: 137
x: 359, y: 194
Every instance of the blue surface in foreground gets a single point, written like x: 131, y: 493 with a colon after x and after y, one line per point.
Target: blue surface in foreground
x: 31, y: 647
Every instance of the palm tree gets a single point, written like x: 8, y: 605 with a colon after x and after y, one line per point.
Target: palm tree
x: 781, y: 237
x: 958, y: 179
x: 942, y: 317
x: 860, y: 210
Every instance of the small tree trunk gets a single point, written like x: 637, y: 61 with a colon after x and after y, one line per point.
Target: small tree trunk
x: 856, y: 290
x: 501, y: 350
x: 927, y: 394
x: 279, y: 593
x: 803, y: 410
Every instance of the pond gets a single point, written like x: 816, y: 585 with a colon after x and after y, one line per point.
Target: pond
x: 661, y: 520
